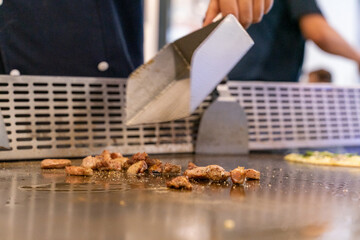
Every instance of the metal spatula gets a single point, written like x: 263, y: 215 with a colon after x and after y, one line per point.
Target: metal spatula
x: 175, y: 82
x: 4, y: 141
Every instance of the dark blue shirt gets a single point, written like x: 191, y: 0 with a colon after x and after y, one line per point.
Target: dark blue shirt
x: 278, y: 52
x: 71, y: 37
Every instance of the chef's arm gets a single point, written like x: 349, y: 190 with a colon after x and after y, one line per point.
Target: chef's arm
x: 246, y: 11
x: 314, y: 27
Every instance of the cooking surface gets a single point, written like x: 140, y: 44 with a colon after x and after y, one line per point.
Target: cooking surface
x: 291, y: 201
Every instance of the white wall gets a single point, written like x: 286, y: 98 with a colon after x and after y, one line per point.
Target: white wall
x: 343, y: 15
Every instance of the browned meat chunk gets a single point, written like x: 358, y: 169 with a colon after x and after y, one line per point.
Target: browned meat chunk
x: 140, y: 156
x: 252, y: 174
x: 115, y: 155
x: 180, y: 182
x: 217, y: 173
x: 123, y: 160
x: 90, y: 161
x: 238, y: 175
x: 198, y: 173
x: 112, y: 164
x: 136, y: 168
x: 136, y: 158
x: 211, y: 172
x: 106, y: 155
x: 152, y: 161
x: 166, y: 168
x: 55, y: 163
x: 79, y: 171
x: 171, y: 168
x: 156, y: 169
x: 191, y: 166
x: 127, y: 164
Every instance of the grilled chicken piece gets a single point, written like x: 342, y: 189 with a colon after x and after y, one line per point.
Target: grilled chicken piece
x: 152, y: 161
x: 156, y: 169
x: 140, y: 156
x: 198, y: 173
x: 135, y: 158
x: 55, y: 163
x: 166, y: 168
x: 106, y: 155
x: 105, y: 161
x: 79, y: 171
x: 91, y: 162
x: 181, y: 182
x: 252, y: 174
x: 123, y: 160
x: 170, y: 168
x: 238, y: 175
x: 115, y: 155
x: 136, y: 168
x: 191, y: 166
x: 211, y: 172
x: 217, y: 173
x: 112, y: 164
x: 128, y: 163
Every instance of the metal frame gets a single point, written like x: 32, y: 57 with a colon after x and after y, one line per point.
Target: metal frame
x: 74, y: 117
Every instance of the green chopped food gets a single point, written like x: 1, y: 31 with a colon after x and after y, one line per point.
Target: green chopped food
x: 309, y: 154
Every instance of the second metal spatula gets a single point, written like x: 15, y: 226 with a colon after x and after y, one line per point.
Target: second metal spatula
x: 175, y: 82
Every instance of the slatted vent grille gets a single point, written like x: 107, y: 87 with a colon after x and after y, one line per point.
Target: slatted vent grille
x: 73, y: 117
x: 295, y: 115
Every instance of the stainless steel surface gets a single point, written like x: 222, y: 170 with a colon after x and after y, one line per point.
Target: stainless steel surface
x: 179, y: 78
x: 223, y: 126
x: 72, y: 117
x: 48, y: 117
x: 4, y: 140
x: 291, y: 201
x: 223, y: 129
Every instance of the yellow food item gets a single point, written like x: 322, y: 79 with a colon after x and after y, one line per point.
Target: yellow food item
x: 325, y: 158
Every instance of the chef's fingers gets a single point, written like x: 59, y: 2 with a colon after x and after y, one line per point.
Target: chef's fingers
x: 245, y: 12
x: 268, y: 5
x: 212, y: 11
x: 229, y: 7
x: 258, y: 10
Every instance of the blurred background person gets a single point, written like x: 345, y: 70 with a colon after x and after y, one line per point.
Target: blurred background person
x: 278, y: 52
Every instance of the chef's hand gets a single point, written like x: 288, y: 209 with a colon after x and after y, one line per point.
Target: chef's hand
x: 247, y: 11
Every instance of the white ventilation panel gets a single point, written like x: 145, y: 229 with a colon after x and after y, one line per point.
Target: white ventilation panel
x: 73, y: 117
x: 299, y: 115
